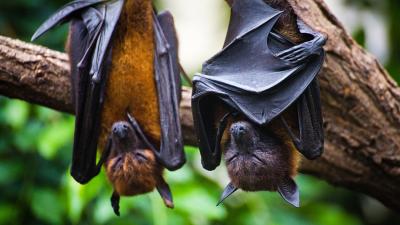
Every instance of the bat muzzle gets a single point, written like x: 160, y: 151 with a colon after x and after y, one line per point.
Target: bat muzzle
x: 120, y: 130
x: 239, y: 130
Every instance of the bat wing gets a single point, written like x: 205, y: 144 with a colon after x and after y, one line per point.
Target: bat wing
x: 310, y: 138
x: 167, y: 78
x: 247, y: 75
x: 66, y: 13
x: 92, y: 26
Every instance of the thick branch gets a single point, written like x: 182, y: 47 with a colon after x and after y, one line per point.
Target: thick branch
x: 34, y: 74
x: 361, y: 104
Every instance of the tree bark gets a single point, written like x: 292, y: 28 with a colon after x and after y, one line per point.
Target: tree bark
x: 361, y: 104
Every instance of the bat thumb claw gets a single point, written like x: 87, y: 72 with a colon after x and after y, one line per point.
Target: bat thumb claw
x: 228, y: 191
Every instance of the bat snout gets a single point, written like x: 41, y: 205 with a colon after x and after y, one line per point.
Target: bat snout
x: 121, y: 129
x: 240, y: 129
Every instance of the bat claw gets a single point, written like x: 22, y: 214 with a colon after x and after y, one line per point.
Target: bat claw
x: 115, y: 203
x: 228, y: 191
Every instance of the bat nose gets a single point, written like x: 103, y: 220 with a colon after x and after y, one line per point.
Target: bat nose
x: 241, y: 129
x: 238, y: 130
x: 120, y: 131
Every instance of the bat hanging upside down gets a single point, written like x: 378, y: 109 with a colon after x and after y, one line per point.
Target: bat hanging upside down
x: 124, y: 67
x: 259, y: 159
x: 132, y: 168
x: 257, y: 101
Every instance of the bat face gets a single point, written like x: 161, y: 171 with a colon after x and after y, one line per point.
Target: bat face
x: 132, y: 170
x: 256, y: 160
x: 124, y: 137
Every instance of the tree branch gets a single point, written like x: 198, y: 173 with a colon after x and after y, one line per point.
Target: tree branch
x: 361, y: 104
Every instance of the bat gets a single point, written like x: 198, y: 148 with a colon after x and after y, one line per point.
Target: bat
x: 260, y: 159
x: 131, y: 167
x: 124, y: 67
x: 265, y: 79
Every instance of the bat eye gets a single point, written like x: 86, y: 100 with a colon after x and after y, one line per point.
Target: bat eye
x: 125, y: 127
x: 114, y: 130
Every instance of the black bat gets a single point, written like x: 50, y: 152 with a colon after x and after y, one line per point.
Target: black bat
x: 124, y: 67
x: 258, y: 76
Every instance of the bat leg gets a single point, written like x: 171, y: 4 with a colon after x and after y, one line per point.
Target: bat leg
x: 165, y: 192
x: 105, y: 154
x: 228, y: 191
x: 139, y: 131
x: 115, y: 203
x: 290, y: 192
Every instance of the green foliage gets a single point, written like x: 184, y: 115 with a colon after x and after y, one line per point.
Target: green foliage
x: 36, y: 188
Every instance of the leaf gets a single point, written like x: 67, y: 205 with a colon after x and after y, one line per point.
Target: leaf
x: 47, y: 205
x: 54, y: 137
x: 16, y: 113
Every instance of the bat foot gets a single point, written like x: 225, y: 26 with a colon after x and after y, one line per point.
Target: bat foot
x: 115, y: 203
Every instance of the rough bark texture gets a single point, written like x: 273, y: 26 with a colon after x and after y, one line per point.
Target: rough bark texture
x: 35, y: 74
x: 361, y: 104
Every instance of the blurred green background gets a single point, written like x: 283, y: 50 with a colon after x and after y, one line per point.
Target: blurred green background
x: 35, y: 142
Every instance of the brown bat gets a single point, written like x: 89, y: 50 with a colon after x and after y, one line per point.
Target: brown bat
x: 132, y: 168
x: 124, y: 67
x: 259, y: 159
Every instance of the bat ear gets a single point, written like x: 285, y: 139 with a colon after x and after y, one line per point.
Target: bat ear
x: 228, y: 191
x: 290, y: 192
x: 165, y: 192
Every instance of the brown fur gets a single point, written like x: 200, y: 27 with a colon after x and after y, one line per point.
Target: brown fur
x: 133, y: 176
x: 131, y: 83
x: 261, y: 160
x: 275, y: 127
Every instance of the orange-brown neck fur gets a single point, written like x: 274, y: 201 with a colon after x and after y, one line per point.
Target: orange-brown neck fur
x: 131, y: 175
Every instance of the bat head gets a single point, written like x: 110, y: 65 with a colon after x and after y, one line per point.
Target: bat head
x: 132, y: 169
x: 124, y: 137
x: 256, y: 159
x: 243, y: 135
